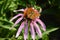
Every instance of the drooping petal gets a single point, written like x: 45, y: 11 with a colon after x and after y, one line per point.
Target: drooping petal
x: 42, y: 24
x: 16, y: 17
x: 32, y: 31
x: 37, y: 29
x: 20, y: 29
x: 17, y: 22
x: 40, y: 10
x: 26, y: 31
x: 19, y: 10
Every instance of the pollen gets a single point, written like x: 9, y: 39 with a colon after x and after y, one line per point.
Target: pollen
x: 31, y: 13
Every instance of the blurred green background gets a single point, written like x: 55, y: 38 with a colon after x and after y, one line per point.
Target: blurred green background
x: 50, y: 15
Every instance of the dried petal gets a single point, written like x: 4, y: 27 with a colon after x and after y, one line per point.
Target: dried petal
x: 19, y: 10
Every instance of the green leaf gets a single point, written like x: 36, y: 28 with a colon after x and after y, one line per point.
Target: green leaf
x: 1, y: 2
x: 45, y: 34
x: 6, y: 27
x: 45, y: 37
x: 51, y: 30
x: 5, y: 20
x: 13, y: 6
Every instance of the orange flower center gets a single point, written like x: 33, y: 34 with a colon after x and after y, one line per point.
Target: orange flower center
x: 31, y: 13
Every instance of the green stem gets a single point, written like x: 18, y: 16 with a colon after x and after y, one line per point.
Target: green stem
x: 28, y: 30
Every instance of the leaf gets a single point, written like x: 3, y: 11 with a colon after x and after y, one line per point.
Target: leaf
x: 5, y: 20
x: 20, y: 37
x: 51, y: 30
x: 45, y: 37
x: 5, y: 5
x: 7, y: 27
x: 1, y: 2
x: 13, y: 6
x: 45, y: 34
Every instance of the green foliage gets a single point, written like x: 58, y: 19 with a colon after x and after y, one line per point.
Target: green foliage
x: 6, y: 13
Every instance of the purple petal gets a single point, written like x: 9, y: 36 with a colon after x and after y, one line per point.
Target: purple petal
x: 20, y: 29
x: 19, y: 10
x: 42, y: 24
x: 17, y: 22
x: 32, y: 31
x: 37, y: 29
x: 26, y: 31
x: 16, y: 16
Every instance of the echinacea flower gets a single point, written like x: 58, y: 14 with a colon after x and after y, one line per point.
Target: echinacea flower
x: 32, y: 15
